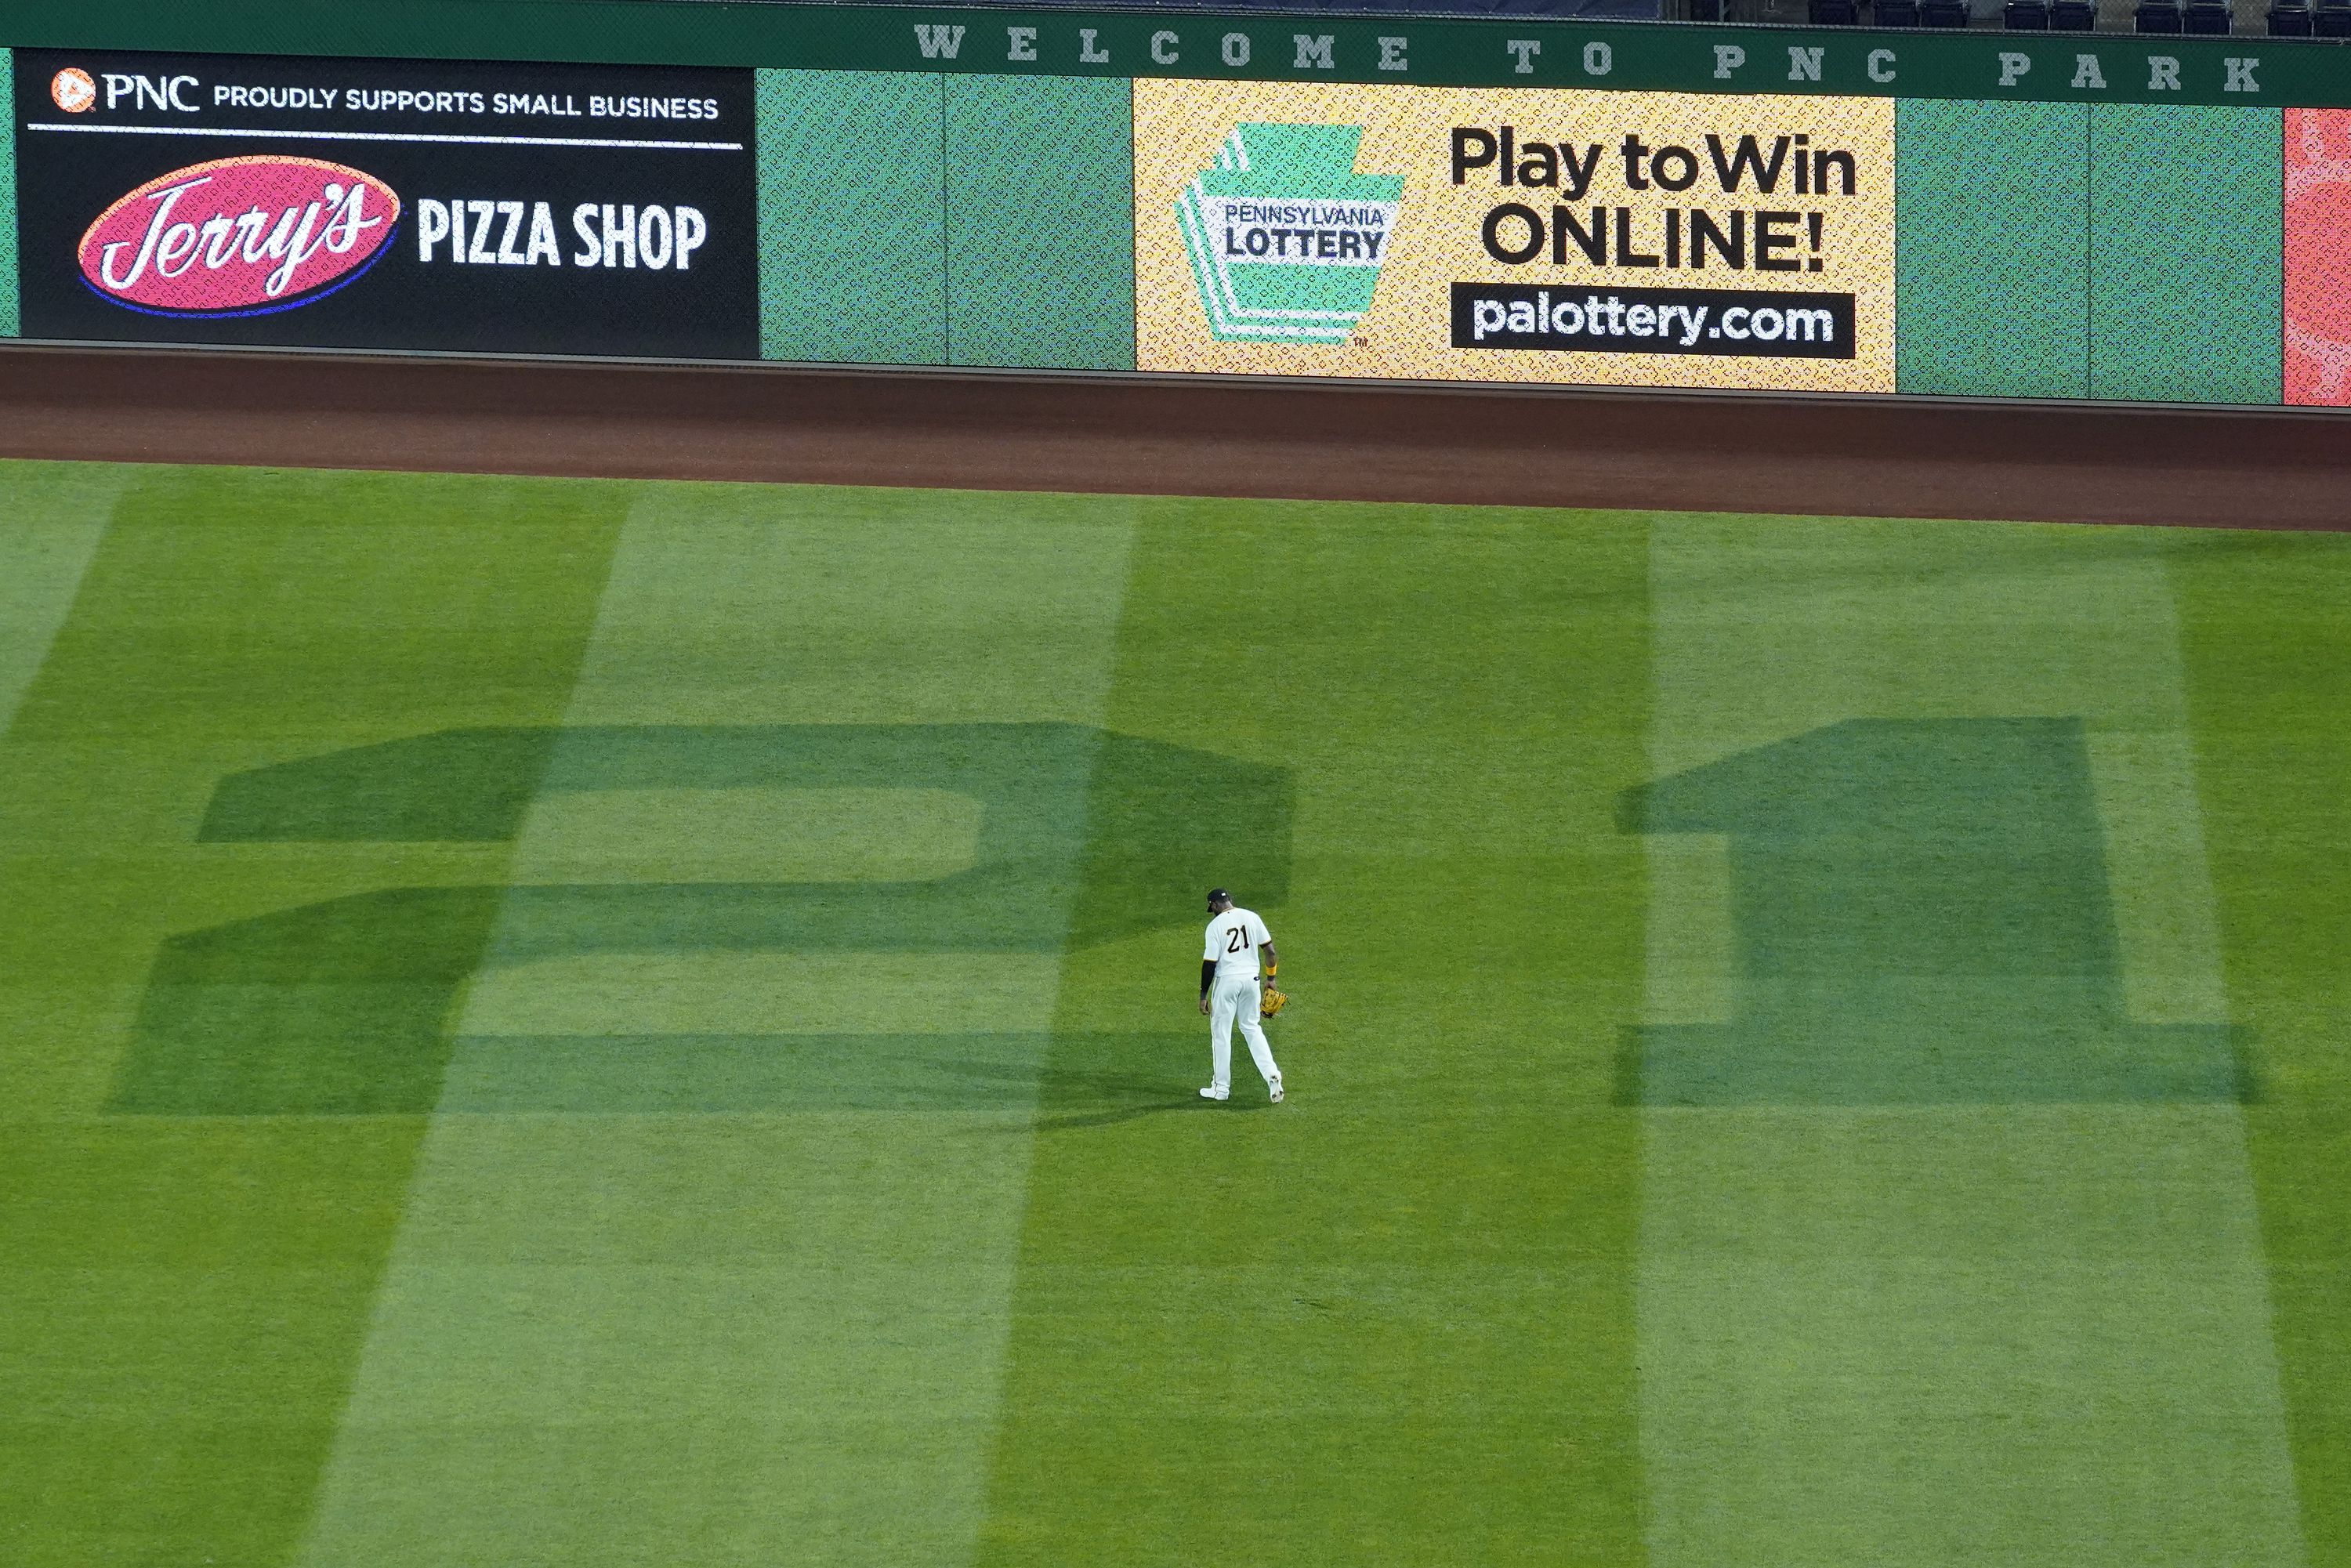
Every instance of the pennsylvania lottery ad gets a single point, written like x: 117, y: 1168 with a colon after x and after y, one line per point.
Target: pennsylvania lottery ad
x: 1660, y: 239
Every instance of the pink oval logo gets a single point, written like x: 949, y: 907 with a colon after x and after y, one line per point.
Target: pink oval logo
x: 239, y: 237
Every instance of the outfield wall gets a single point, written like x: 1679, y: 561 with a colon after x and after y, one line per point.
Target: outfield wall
x: 1492, y: 201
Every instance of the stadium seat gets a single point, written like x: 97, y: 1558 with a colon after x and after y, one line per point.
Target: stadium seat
x: 2331, y: 21
x: 1834, y: 13
x: 2025, y: 16
x: 1943, y: 13
x: 2157, y: 16
x: 2207, y: 16
x: 2072, y: 15
x: 2288, y: 21
x: 1895, y: 13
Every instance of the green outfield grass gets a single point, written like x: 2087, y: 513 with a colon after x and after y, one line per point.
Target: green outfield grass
x: 564, y: 1022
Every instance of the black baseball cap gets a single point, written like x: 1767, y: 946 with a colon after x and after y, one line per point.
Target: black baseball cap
x: 1217, y: 893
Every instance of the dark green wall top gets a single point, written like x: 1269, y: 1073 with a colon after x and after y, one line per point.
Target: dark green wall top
x: 1454, y: 51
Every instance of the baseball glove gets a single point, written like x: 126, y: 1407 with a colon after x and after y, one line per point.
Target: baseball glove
x: 1271, y: 1001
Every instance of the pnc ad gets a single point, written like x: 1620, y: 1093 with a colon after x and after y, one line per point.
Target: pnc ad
x: 484, y: 208
x: 1627, y: 238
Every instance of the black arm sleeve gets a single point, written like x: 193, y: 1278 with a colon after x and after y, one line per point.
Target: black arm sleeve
x: 1207, y: 973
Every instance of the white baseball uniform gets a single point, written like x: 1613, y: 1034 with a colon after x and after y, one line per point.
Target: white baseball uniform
x: 1233, y: 940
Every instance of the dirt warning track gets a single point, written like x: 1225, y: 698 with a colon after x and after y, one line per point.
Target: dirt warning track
x: 1141, y: 435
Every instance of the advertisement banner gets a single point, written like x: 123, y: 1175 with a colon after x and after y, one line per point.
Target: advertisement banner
x: 471, y: 208
x: 2317, y: 329
x: 1627, y: 238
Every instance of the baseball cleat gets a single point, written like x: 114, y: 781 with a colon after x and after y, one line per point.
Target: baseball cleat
x: 1213, y: 1092
x: 1273, y: 1087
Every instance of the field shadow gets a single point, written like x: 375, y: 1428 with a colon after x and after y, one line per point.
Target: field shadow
x: 1920, y: 912
x: 342, y: 1007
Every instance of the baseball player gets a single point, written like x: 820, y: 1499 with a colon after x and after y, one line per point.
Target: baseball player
x: 1230, y: 995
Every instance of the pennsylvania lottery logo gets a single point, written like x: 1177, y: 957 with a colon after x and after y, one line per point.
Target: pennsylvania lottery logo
x: 1286, y: 239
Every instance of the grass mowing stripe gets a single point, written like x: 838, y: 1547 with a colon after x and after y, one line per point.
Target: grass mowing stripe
x: 57, y: 511
x: 2167, y: 924
x: 710, y: 1253
x: 1955, y: 1323
x: 186, y: 1292
x: 2268, y: 649
x: 1389, y: 1320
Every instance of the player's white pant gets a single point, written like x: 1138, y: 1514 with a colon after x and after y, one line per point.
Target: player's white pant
x: 1235, y: 1001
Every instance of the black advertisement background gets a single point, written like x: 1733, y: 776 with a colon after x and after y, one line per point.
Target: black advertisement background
x: 65, y: 180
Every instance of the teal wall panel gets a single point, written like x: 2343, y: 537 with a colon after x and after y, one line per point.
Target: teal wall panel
x: 1992, y: 257
x: 852, y: 234
x: 2186, y: 248
x: 8, y: 313
x: 1041, y: 223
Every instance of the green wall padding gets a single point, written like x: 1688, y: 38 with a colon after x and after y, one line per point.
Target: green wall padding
x: 2185, y: 246
x: 1041, y: 223
x: 853, y: 242
x: 877, y: 249
x: 1991, y: 263
x: 9, y: 327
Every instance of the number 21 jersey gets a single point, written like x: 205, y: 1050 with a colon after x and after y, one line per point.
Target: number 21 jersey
x: 1233, y: 940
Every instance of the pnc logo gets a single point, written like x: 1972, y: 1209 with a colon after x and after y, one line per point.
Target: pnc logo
x: 239, y: 236
x: 72, y: 90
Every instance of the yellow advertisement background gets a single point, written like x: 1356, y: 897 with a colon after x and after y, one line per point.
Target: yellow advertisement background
x: 1408, y: 130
